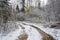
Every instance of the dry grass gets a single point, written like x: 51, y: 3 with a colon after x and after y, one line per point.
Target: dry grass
x: 23, y: 37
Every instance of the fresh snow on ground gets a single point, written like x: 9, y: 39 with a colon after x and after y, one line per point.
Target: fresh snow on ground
x: 12, y: 35
x: 33, y: 34
x: 51, y: 31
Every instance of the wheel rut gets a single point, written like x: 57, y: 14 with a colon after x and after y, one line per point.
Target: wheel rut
x: 43, y: 34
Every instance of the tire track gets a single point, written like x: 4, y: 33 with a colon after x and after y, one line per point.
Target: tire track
x: 44, y: 35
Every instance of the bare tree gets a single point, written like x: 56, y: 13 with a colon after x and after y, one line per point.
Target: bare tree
x: 23, y: 5
x: 52, y: 10
x: 5, y: 13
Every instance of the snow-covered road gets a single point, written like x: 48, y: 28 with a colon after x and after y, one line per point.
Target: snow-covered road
x: 32, y: 33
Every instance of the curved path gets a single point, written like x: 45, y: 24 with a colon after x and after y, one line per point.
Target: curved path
x: 44, y: 35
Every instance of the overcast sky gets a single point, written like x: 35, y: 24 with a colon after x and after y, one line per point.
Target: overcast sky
x: 15, y: 2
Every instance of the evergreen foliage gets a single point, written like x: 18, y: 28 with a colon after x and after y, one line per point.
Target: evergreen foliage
x: 4, y: 10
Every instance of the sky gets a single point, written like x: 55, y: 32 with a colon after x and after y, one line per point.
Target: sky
x: 15, y: 2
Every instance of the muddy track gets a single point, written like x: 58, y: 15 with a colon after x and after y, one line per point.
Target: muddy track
x: 44, y: 35
x: 24, y: 36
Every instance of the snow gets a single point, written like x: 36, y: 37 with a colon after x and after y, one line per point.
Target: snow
x: 51, y: 31
x: 12, y: 35
x: 33, y: 34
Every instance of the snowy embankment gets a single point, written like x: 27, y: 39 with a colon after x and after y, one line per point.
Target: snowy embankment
x: 12, y: 35
x: 33, y: 34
